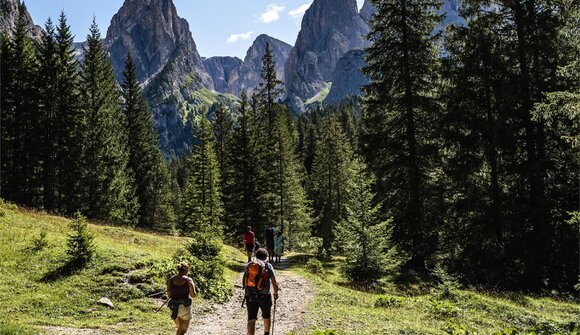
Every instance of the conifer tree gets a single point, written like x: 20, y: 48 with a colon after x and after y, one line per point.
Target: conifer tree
x: 21, y: 157
x: 152, y: 179
x: 331, y: 176
x: 363, y: 235
x: 269, y: 89
x: 68, y: 122
x: 399, y: 118
x: 107, y: 185
x: 48, y: 91
x: 203, y: 203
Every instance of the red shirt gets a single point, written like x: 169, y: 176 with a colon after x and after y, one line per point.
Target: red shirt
x: 249, y: 237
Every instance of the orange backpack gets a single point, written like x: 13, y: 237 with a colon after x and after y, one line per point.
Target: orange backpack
x: 255, y: 277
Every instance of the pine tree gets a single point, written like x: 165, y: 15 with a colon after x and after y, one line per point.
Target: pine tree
x: 68, y: 122
x: 269, y: 89
x: 203, y: 203
x: 21, y: 157
x: 363, y: 236
x: 399, y: 117
x: 81, y: 246
x: 331, y: 176
x: 107, y: 186
x: 152, y: 178
x: 48, y: 89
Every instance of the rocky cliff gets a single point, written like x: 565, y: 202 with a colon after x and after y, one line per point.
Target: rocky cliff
x: 223, y: 72
x: 347, y: 78
x: 330, y: 28
x: 9, y: 11
x: 367, y: 11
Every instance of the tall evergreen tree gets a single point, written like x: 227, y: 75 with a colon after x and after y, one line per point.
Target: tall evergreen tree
x: 107, y: 185
x: 48, y: 90
x: 20, y: 136
x: 68, y: 122
x: 203, y: 203
x: 152, y: 179
x: 331, y: 176
x: 399, y: 118
x: 269, y: 89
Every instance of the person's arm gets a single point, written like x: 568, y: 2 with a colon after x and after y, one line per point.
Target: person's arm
x: 276, y: 287
x: 192, y: 291
x: 169, y: 288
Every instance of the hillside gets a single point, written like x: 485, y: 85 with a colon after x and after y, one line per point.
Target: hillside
x: 122, y: 271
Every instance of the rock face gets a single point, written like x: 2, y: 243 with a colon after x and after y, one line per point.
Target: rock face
x: 330, y: 28
x: 249, y: 73
x: 9, y: 11
x: 348, y: 78
x: 155, y: 35
x: 168, y: 65
x: 367, y: 11
x: 223, y: 71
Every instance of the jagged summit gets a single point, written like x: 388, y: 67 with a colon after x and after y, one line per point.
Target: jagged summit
x: 9, y: 10
x: 330, y: 28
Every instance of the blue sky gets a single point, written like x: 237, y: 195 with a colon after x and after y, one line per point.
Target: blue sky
x: 219, y: 27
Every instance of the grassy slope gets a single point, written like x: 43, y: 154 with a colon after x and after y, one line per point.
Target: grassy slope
x: 417, y: 309
x: 71, y: 301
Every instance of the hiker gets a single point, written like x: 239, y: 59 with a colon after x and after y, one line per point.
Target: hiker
x: 270, y: 235
x: 250, y: 242
x: 181, y: 290
x: 279, y: 246
x: 258, y: 296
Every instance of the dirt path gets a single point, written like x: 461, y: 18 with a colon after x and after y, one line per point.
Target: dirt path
x: 230, y: 318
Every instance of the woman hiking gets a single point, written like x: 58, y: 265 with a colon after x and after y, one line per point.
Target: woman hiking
x: 181, y: 290
x: 279, y: 247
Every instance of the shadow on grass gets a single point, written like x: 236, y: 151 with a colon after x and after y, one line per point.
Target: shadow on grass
x: 413, y: 283
x: 236, y: 266
x: 62, y: 272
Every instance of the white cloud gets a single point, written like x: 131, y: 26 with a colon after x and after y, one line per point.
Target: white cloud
x: 360, y: 3
x: 299, y: 12
x: 240, y: 37
x: 272, y: 13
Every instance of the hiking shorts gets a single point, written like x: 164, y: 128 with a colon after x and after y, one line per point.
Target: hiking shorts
x: 184, y: 313
x: 270, y: 245
x: 264, y: 302
x: 249, y: 247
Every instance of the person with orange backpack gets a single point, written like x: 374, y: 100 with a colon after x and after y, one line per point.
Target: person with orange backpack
x: 258, y: 278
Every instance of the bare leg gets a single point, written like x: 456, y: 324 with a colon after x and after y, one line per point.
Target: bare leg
x: 177, y: 324
x: 267, y: 324
x: 184, y: 326
x: 251, y: 327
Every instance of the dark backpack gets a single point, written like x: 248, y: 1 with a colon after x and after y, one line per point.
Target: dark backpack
x: 270, y: 234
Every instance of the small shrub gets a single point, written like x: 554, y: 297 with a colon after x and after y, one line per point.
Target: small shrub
x: 205, y: 247
x: 39, y: 242
x: 448, y: 285
x: 315, y: 266
x: 454, y: 327
x: 444, y: 309
x: 385, y: 301
x: 81, y: 247
x: 319, y: 332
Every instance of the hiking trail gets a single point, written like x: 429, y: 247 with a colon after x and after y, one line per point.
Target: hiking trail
x: 231, y: 319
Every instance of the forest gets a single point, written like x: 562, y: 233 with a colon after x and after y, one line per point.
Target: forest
x: 461, y: 154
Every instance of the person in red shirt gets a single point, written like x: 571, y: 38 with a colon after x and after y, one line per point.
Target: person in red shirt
x: 250, y: 242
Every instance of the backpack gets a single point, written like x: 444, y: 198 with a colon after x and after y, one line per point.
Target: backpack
x: 255, y: 279
x: 270, y: 232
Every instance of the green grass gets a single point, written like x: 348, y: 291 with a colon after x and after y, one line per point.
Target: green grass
x: 28, y: 298
x: 419, y: 309
x: 321, y: 96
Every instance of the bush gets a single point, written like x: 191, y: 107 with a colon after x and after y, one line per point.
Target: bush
x: 454, y: 327
x: 81, y: 247
x: 448, y: 285
x: 444, y: 309
x: 319, y: 332
x: 385, y: 301
x: 39, y: 243
x: 315, y: 266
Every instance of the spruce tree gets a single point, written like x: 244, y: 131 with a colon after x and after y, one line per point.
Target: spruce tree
x: 68, y: 122
x: 330, y: 179
x: 364, y: 237
x: 48, y: 90
x: 152, y: 178
x: 107, y: 188
x: 399, y: 118
x: 269, y: 89
x: 21, y: 157
x: 203, y: 203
